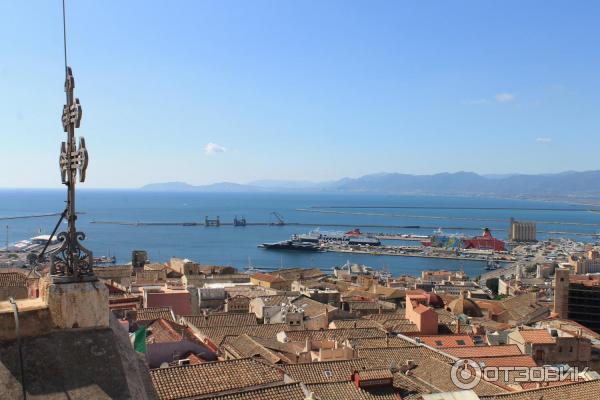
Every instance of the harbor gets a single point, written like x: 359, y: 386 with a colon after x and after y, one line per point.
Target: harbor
x: 168, y: 223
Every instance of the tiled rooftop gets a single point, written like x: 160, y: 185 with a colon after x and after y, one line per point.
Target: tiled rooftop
x: 349, y: 391
x: 355, y: 323
x: 12, y: 279
x: 311, y: 307
x: 507, y: 361
x: 164, y: 331
x: 151, y: 314
x: 212, y: 378
x: 245, y: 346
x: 384, y: 357
x: 445, y: 341
x: 538, y: 336
x: 292, y: 391
x: 216, y: 334
x: 274, y: 300
x: 268, y: 278
x: 588, y: 390
x: 221, y: 319
x: 390, y: 341
x: 326, y: 371
x: 484, y: 351
x: 437, y: 374
x: 335, y: 334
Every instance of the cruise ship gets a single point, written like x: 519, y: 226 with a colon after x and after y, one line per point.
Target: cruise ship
x: 351, y: 238
x: 292, y: 244
x: 314, y: 241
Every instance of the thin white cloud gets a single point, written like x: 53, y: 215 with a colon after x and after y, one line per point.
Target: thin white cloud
x: 213, y: 148
x: 477, y: 102
x: 543, y: 140
x: 504, y: 97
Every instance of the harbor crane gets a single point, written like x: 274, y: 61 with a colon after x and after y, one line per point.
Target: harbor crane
x: 279, y: 218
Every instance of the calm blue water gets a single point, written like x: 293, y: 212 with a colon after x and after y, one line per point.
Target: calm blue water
x: 236, y: 245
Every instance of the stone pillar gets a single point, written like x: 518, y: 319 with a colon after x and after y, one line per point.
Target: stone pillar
x: 77, y: 304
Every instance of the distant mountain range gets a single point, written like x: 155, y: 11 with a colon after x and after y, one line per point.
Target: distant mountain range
x: 565, y: 185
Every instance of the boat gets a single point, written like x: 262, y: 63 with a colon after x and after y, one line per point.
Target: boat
x: 291, y: 244
x: 461, y: 242
x: 351, y: 238
x: 492, y: 265
x: 251, y: 269
x: 105, y: 260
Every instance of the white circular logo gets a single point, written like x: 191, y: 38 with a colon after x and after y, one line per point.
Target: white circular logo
x: 465, y: 374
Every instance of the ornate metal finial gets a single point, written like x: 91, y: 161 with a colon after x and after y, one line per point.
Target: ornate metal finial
x: 71, y: 262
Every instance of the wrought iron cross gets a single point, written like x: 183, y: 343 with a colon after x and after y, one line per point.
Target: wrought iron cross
x: 72, y: 262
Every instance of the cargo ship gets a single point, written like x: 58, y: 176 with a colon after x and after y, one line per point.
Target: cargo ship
x: 461, y: 242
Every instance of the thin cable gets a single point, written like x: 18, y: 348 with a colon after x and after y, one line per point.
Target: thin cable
x: 65, y: 33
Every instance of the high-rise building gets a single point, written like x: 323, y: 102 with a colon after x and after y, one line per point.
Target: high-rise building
x: 577, y: 298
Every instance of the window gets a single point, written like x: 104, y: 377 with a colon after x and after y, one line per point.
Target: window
x: 571, y: 349
x: 327, y: 373
x: 460, y: 342
x: 438, y: 343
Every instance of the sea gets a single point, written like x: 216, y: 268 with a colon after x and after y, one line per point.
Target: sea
x: 114, y: 223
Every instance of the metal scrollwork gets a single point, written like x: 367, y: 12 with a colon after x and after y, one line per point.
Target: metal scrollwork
x: 72, y: 262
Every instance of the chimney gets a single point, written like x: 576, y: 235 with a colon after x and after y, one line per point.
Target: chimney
x: 458, y: 326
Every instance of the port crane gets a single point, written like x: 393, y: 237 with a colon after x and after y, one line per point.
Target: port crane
x: 279, y: 218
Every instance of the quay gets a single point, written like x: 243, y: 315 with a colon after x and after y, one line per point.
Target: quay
x: 412, y: 252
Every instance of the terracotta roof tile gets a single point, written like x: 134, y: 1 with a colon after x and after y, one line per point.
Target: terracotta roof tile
x: 335, y: 334
x: 437, y: 374
x: 292, y: 391
x: 245, y: 346
x: 151, y: 314
x: 212, y: 378
x: 349, y: 391
x: 384, y: 357
x: 217, y: 334
x: 311, y: 307
x: 164, y: 331
x: 325, y: 371
x: 577, y: 391
x: 445, y: 341
x: 540, y: 336
x: 221, y: 319
x: 484, y: 351
x: 390, y: 341
x: 376, y: 373
x: 268, y: 278
x: 12, y: 279
x: 507, y: 361
x: 355, y: 323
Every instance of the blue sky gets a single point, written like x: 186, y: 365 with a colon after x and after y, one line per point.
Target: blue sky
x: 206, y: 91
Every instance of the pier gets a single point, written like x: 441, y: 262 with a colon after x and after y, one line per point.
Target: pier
x: 381, y: 235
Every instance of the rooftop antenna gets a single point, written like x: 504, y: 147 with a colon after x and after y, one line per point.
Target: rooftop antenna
x: 71, y: 262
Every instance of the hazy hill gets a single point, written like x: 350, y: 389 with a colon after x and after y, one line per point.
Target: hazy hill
x: 562, y: 185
